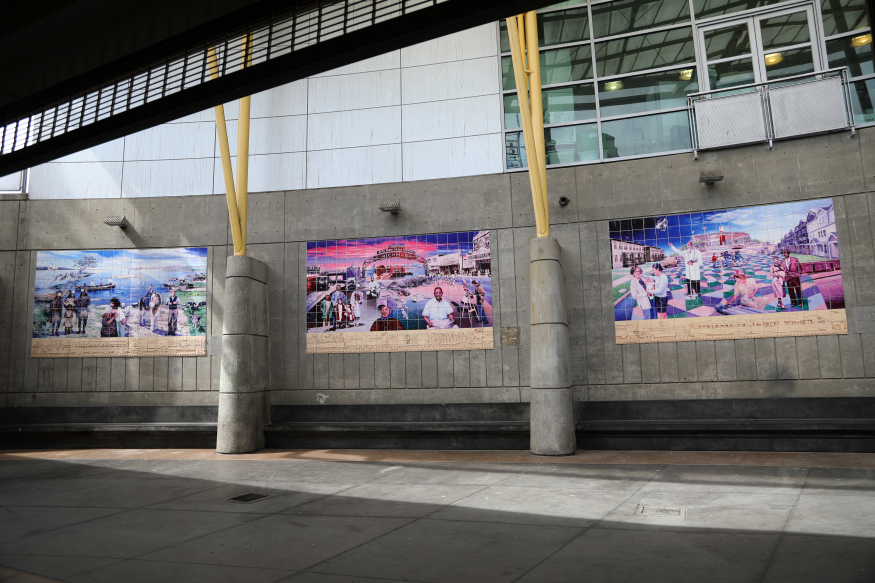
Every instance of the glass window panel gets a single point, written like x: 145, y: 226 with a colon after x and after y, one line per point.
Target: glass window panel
x: 862, y: 96
x: 502, y: 34
x: 646, y: 51
x: 784, y: 31
x: 727, y: 42
x: 647, y: 92
x: 731, y: 73
x: 786, y: 63
x: 568, y: 144
x: 568, y: 26
x: 709, y: 8
x: 561, y: 105
x: 557, y: 66
x: 843, y: 16
x: 646, y: 135
x: 853, y: 52
x: 515, y: 150
x: 630, y: 15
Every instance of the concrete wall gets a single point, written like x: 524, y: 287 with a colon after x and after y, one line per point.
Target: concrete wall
x: 432, y: 110
x: 837, y: 166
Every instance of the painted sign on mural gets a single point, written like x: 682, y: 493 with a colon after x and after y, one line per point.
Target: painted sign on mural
x: 396, y: 294
x: 751, y: 272
x: 122, y: 302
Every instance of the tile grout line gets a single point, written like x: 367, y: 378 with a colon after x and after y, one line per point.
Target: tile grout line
x: 595, y: 523
x: 783, y: 530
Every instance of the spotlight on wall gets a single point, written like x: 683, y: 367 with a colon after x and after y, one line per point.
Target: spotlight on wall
x: 686, y: 75
x: 710, y: 176
x: 116, y: 221
x: 393, y: 207
x: 613, y: 85
x: 564, y: 200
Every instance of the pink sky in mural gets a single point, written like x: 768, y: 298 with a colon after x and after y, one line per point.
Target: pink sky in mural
x: 333, y: 255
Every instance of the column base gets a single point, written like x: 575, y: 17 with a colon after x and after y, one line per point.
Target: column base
x: 552, y: 422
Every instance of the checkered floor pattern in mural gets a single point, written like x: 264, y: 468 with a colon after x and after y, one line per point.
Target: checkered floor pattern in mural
x: 820, y: 291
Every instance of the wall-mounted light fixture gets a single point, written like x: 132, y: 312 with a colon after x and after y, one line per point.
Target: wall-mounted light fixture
x: 710, y: 176
x: 116, y: 221
x: 613, y: 85
x: 564, y: 200
x: 393, y: 207
x: 686, y: 75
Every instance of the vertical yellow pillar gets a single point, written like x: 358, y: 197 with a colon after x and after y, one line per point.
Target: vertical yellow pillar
x: 243, y: 144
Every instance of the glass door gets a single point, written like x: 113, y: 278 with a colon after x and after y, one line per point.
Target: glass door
x: 759, y: 48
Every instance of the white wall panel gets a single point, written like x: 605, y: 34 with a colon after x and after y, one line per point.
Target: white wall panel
x: 454, y: 157
x: 359, y: 91
x: 11, y: 182
x: 109, y: 152
x: 474, y: 43
x: 269, y: 172
x: 450, y: 80
x: 455, y: 118
x: 390, y: 60
x: 353, y: 166
x: 168, y: 178
x: 172, y: 142
x: 81, y: 180
x: 352, y: 129
x: 273, y: 135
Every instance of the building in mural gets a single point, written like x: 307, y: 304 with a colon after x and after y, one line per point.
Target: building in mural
x: 759, y: 271
x: 154, y: 298
x: 421, y: 284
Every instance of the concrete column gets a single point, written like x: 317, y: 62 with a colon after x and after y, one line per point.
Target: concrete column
x: 552, y: 405
x: 243, y: 403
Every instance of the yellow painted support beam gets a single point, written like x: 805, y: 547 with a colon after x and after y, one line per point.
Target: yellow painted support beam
x: 535, y: 99
x: 219, y: 110
x: 517, y: 33
x: 243, y: 142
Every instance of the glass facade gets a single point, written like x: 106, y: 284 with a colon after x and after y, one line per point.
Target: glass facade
x: 615, y: 74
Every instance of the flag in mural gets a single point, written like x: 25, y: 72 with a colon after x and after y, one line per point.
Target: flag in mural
x: 765, y: 271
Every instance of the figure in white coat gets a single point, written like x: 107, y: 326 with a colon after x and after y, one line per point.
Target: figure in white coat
x: 693, y: 263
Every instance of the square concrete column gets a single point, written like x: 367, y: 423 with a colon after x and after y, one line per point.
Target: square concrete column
x: 552, y: 419
x: 245, y: 377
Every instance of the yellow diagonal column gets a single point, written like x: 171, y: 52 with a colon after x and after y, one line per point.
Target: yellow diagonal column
x: 522, y: 33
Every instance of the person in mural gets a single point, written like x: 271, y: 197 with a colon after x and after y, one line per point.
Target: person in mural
x: 480, y: 292
x: 693, y: 262
x: 326, y: 309
x: 144, y: 305
x: 727, y: 258
x: 357, y: 299
x: 744, y: 292
x: 82, y: 304
x: 373, y: 288
x: 384, y: 323
x: 438, y: 313
x: 658, y: 291
x: 173, y: 309
x: 793, y: 272
x: 777, y: 273
x: 738, y: 258
x: 338, y: 298
x: 639, y: 293
x: 108, y: 322
x: 69, y: 313
x: 122, y: 315
x: 56, y: 308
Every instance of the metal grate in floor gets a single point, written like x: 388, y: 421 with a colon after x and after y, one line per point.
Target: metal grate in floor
x: 248, y: 498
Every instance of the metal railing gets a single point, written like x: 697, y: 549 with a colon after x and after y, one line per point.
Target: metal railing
x: 789, y: 107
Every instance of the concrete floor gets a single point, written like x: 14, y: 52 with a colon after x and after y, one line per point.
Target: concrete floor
x: 133, y: 516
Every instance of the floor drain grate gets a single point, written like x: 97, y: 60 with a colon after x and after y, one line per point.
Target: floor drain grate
x: 662, y: 511
x: 248, y: 498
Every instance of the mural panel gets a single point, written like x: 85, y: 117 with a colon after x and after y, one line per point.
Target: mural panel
x: 123, y: 302
x: 396, y: 294
x: 753, y: 272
